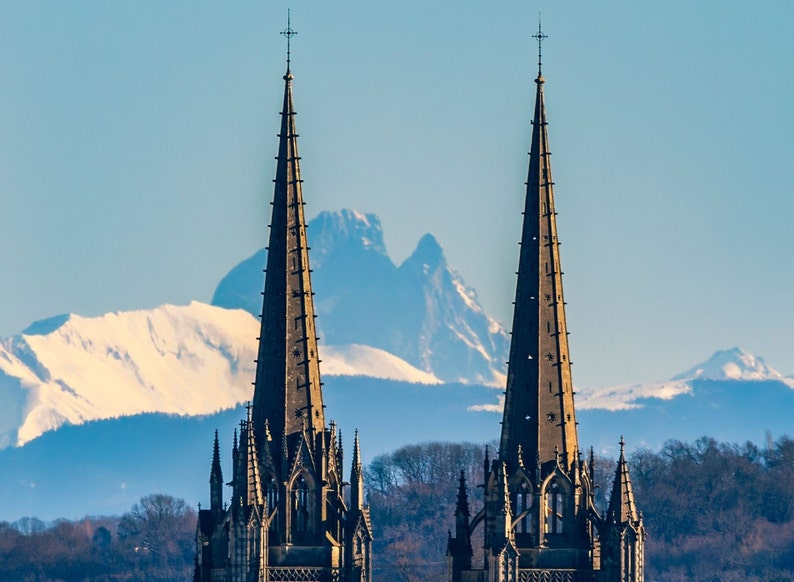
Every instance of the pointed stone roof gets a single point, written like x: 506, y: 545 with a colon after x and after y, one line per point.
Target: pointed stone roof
x: 356, y: 477
x: 287, y: 389
x: 622, y: 508
x: 216, y: 473
x: 216, y: 478
x: 462, y: 505
x: 539, y: 411
x: 254, y: 495
x: 356, y: 470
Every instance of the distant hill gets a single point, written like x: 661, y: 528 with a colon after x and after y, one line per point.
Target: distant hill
x: 733, y: 396
x: 102, y: 467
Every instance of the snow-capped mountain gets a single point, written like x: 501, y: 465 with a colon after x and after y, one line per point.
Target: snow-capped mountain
x: 417, y: 323
x: 411, y: 339
x: 170, y: 359
x: 185, y: 360
x: 732, y: 365
x: 733, y: 396
x: 421, y: 311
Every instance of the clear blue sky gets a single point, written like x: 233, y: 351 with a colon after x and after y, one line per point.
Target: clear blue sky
x: 137, y: 142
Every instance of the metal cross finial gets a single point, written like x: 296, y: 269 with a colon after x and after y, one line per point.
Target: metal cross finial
x: 288, y: 33
x: 540, y: 37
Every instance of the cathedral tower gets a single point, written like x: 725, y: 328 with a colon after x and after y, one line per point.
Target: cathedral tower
x: 288, y: 518
x: 539, y: 517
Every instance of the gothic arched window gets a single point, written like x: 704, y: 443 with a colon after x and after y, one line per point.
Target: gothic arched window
x: 271, y: 495
x: 521, y: 502
x: 301, y: 505
x: 554, y: 508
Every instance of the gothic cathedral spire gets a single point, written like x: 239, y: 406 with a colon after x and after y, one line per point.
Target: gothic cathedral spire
x: 539, y: 517
x: 288, y: 519
x: 539, y: 414
x: 216, y: 478
x: 287, y: 390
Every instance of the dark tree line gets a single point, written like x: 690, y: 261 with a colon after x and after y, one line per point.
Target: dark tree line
x: 717, y: 511
x: 412, y: 494
x: 713, y: 511
x: 154, y: 541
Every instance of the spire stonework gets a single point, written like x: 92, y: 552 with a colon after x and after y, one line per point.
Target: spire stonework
x: 459, y: 548
x: 622, y: 507
x: 356, y: 477
x: 287, y: 389
x: 358, y: 544
x: 539, y: 412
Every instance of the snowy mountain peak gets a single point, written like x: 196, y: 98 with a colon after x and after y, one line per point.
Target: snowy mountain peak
x: 732, y: 364
x: 182, y: 360
x: 345, y: 230
x: 428, y: 253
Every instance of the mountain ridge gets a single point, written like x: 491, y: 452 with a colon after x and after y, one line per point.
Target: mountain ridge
x: 729, y: 365
x: 185, y: 360
x: 416, y: 323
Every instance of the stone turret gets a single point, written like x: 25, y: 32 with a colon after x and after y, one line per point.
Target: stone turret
x: 356, y: 477
x: 358, y: 543
x: 623, y: 533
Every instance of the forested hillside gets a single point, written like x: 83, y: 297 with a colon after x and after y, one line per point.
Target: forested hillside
x: 718, y: 512
x: 713, y: 511
x: 153, y: 542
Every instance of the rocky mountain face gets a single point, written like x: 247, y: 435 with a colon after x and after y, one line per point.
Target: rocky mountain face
x: 420, y: 311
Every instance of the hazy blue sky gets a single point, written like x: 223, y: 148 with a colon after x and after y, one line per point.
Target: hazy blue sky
x: 137, y: 142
